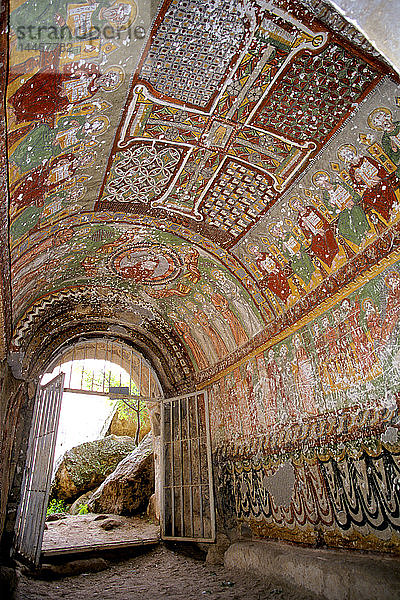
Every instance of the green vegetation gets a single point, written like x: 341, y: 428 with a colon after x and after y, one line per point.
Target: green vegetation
x: 127, y: 408
x: 83, y: 509
x: 135, y: 410
x: 56, y: 506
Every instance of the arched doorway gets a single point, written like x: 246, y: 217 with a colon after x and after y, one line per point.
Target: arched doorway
x: 182, y: 450
x: 109, y: 369
x: 94, y: 368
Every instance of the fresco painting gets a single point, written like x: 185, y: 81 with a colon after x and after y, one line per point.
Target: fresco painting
x: 349, y: 355
x: 221, y: 180
x: 208, y: 152
x: 163, y: 273
x: 325, y: 401
x: 70, y: 58
x: 333, y: 500
x: 228, y: 143
x: 346, y: 201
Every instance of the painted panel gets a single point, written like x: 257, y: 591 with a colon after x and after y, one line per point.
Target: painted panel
x: 342, y: 205
x: 322, y: 404
x: 200, y: 298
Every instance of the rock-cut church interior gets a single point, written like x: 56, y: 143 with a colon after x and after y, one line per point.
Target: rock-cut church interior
x: 215, y: 184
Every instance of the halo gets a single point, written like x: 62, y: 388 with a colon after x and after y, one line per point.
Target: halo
x: 132, y: 16
x: 365, y: 301
x: 315, y: 175
x: 104, y: 120
x: 253, y: 248
x: 380, y: 109
x: 341, y: 148
x: 111, y: 87
x: 271, y: 226
x: 290, y: 202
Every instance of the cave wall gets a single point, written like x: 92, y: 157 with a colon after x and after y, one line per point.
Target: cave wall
x: 305, y: 430
x: 304, y: 410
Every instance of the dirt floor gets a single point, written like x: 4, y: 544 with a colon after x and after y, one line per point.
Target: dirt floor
x: 89, y: 530
x: 156, y: 574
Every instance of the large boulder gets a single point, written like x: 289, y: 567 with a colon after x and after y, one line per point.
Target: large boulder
x: 79, y: 502
x: 128, y: 489
x: 121, y: 426
x: 86, y: 466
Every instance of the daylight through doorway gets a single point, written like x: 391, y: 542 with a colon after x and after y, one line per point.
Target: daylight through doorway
x: 107, y: 386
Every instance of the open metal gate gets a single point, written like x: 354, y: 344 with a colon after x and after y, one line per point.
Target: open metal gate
x: 187, y: 494
x: 37, y: 476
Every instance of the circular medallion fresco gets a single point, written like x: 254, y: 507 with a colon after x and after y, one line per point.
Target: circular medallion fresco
x: 150, y: 265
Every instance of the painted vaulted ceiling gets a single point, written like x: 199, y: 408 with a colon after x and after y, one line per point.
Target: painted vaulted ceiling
x: 205, y: 172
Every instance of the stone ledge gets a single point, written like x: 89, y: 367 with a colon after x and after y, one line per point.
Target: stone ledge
x: 327, y: 574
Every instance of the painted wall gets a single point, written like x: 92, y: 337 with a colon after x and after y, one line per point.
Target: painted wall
x: 297, y: 427
x: 305, y: 432
x: 333, y: 212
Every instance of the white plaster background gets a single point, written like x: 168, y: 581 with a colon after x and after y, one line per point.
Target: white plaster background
x: 378, y: 21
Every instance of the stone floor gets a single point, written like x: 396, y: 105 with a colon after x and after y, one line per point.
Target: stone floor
x: 155, y: 575
x: 254, y: 570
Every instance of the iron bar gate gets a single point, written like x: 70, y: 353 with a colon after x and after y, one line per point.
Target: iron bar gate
x: 37, y: 476
x: 187, y: 494
x: 94, y: 366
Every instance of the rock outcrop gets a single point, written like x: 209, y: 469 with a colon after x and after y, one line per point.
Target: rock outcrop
x: 128, y: 489
x: 82, y: 500
x: 86, y: 466
x: 152, y: 509
x: 119, y: 426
